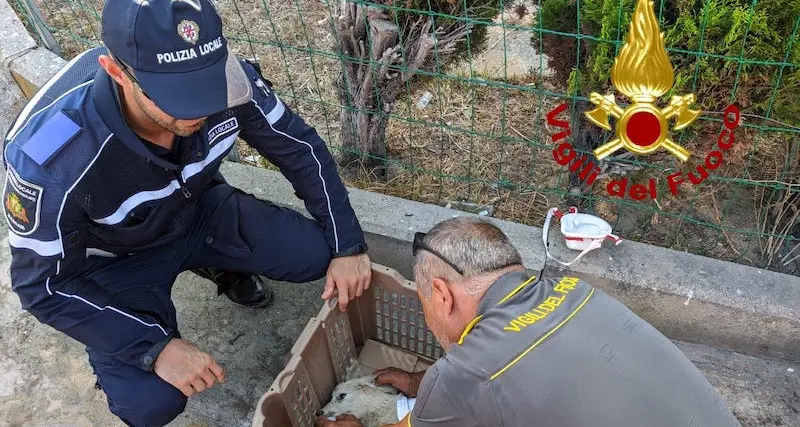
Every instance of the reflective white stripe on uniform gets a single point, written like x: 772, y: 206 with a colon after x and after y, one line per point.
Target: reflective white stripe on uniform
x: 189, y: 171
x: 272, y: 118
x: 41, y: 247
x: 152, y: 325
x: 99, y: 252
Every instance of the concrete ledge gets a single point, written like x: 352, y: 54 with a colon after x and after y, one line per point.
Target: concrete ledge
x: 34, y: 68
x: 24, y: 67
x: 14, y: 37
x: 11, y: 101
x: 686, y: 296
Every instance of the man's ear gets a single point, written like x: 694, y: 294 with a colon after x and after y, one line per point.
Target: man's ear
x: 113, y: 69
x: 442, y: 292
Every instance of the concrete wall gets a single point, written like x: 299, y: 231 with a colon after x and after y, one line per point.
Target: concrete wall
x: 24, y: 66
x: 688, y: 297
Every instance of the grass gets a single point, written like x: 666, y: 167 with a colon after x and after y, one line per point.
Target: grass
x: 489, y: 145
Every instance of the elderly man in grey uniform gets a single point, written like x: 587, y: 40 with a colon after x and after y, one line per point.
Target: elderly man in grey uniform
x: 524, y: 351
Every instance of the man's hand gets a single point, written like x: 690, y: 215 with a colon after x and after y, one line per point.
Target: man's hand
x: 348, y: 277
x: 187, y: 368
x: 406, y: 382
x: 345, y: 420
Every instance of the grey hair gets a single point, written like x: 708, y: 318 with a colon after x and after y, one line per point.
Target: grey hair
x: 474, y: 245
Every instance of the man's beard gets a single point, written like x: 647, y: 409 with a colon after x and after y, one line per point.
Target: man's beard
x: 170, y: 126
x: 185, y: 131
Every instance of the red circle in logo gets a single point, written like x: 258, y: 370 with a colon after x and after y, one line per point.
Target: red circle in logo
x: 643, y: 128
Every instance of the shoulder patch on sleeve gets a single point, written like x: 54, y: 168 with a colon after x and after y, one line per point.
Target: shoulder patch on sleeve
x: 224, y: 128
x: 22, y: 203
x: 50, y: 138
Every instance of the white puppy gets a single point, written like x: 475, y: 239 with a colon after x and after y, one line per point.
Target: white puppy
x: 374, y: 406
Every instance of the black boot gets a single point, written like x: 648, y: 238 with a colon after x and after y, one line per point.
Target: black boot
x: 248, y: 290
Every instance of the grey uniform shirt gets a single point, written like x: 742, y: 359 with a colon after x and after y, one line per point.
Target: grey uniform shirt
x: 560, y: 353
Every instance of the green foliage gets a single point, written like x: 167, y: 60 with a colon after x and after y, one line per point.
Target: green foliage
x: 558, y: 15
x: 732, y: 29
x: 603, y: 18
x: 458, y: 13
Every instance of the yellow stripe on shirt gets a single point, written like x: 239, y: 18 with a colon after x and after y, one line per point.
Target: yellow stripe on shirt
x: 517, y: 289
x: 506, y: 298
x: 539, y: 341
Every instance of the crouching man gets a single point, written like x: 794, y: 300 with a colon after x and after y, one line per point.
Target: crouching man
x: 525, y: 351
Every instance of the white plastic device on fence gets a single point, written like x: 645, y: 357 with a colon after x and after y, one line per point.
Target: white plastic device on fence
x: 582, y: 232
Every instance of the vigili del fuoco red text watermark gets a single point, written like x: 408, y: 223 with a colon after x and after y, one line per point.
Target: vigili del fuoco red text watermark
x: 566, y: 155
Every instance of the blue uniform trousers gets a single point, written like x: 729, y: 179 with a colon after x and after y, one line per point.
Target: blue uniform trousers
x: 233, y: 231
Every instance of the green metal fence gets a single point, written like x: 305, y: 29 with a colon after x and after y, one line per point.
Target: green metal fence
x: 473, y: 134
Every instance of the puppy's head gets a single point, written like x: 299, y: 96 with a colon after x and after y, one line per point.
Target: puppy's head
x: 357, y: 397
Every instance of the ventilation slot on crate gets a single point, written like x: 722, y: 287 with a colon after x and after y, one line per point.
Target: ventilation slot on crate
x: 340, y: 342
x: 400, y: 322
x: 303, y: 401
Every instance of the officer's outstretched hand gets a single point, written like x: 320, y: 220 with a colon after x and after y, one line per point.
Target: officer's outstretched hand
x: 349, y: 277
x: 187, y: 368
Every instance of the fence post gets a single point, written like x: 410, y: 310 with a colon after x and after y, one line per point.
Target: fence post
x: 38, y: 23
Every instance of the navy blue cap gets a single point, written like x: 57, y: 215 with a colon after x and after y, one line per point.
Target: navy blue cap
x: 176, y: 51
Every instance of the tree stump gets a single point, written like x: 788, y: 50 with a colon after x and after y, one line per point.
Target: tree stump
x: 374, y: 74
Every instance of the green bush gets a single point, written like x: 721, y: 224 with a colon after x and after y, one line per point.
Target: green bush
x: 728, y: 28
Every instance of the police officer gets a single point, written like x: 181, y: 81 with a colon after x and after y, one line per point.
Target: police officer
x: 113, y: 189
x: 524, y: 351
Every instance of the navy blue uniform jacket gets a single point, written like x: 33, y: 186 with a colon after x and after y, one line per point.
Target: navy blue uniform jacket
x: 80, y: 182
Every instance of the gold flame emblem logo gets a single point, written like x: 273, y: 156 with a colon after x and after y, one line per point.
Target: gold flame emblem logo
x: 642, y: 72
